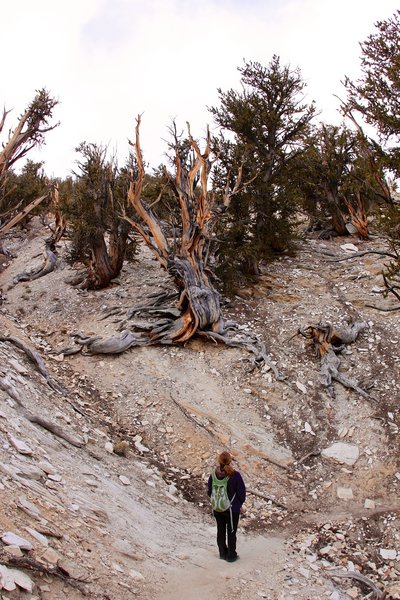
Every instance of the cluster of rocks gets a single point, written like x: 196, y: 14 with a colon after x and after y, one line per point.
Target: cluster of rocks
x: 368, y: 547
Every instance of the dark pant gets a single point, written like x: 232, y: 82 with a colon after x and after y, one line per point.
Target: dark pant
x: 225, y: 533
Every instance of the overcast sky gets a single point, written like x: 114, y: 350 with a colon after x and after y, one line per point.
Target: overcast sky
x: 108, y: 60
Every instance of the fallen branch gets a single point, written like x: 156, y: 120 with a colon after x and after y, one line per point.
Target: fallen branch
x: 308, y: 455
x: 26, y: 562
x: 266, y: 497
x: 378, y: 593
x: 383, y: 308
x: 55, y: 429
x: 364, y: 253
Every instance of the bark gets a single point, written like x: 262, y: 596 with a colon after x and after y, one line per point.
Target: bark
x: 106, y: 262
x: 338, y: 221
x: 359, y: 216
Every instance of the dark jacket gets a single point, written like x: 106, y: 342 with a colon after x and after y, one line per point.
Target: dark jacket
x: 235, y: 486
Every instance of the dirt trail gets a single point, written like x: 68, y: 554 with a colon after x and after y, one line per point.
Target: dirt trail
x: 260, y: 570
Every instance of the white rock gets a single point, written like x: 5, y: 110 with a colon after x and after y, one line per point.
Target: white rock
x: 326, y: 550
x: 304, y: 572
x: 388, y: 554
x: 29, y: 507
x: 349, y: 248
x: 7, y: 579
x: 172, y: 489
x: 125, y: 480
x: 19, y: 445
x: 342, y: 453
x: 47, y: 468
x: 171, y: 497
x: 140, y: 447
x: 301, y: 387
x: 11, y: 539
x: 22, y: 580
x: 30, y: 472
x: 136, y: 575
x: 109, y: 447
x: 368, y: 503
x: 42, y: 539
x: 308, y: 428
x: 344, y: 493
x: 351, y: 228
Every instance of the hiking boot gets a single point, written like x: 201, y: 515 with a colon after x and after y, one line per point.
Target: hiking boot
x: 232, y: 558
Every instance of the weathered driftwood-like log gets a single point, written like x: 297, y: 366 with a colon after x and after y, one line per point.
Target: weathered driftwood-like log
x: 378, y: 594
x: 112, y: 345
x: 328, y: 342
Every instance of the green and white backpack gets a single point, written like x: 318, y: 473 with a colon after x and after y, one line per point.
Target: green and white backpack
x: 219, y: 494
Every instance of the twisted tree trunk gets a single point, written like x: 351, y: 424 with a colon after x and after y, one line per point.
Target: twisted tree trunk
x: 198, y: 308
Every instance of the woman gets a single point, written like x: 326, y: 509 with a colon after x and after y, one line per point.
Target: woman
x: 227, y: 520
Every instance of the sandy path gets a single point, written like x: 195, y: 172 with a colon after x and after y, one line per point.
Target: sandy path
x: 203, y: 575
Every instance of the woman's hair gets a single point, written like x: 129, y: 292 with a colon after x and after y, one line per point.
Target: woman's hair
x: 225, y: 463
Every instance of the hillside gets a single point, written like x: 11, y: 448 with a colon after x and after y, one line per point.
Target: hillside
x: 104, y: 525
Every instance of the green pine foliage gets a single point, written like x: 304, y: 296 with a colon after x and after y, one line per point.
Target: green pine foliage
x: 263, y: 128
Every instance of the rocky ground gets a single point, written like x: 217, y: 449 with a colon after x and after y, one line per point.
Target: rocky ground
x: 110, y: 502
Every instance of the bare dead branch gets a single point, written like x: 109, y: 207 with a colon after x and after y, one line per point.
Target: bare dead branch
x: 266, y: 497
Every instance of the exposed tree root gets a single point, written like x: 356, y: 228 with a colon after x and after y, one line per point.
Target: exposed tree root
x: 328, y: 342
x: 163, y: 331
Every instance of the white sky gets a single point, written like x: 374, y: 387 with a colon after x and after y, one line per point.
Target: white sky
x: 108, y: 60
